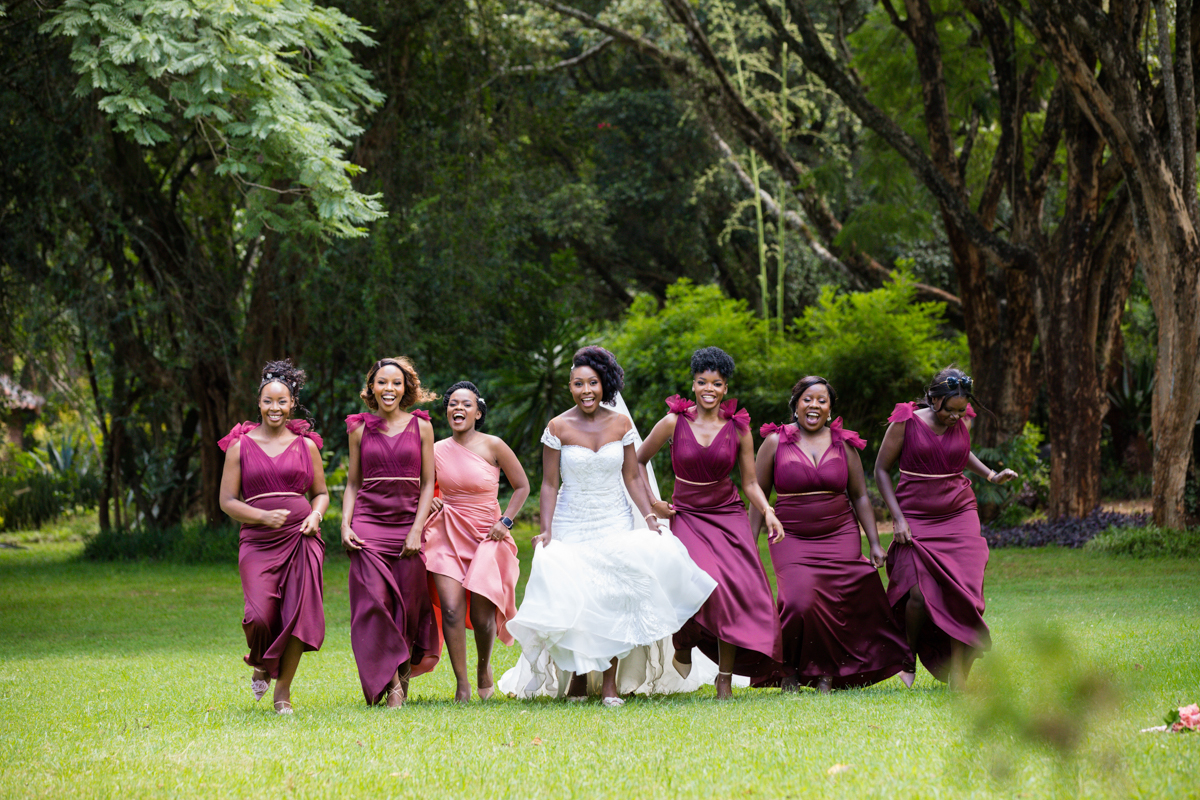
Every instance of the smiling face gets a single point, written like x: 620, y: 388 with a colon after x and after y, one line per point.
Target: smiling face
x: 388, y: 387
x: 275, y: 404
x: 586, y: 390
x: 949, y: 410
x: 462, y: 410
x: 813, y: 407
x: 709, y: 388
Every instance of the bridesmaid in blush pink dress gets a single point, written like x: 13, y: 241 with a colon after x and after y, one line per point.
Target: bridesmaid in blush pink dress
x: 469, y: 549
x: 274, y: 484
x: 389, y: 492
x: 738, y: 626
x: 838, y: 628
x: 938, y: 556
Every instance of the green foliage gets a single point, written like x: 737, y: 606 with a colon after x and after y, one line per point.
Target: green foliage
x: 35, y: 490
x: 1150, y: 541
x: 1032, y: 485
x: 877, y: 348
x: 271, y: 87
x: 655, y: 347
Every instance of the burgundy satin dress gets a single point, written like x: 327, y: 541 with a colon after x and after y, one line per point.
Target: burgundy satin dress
x: 948, y: 554
x: 711, y: 521
x: 391, y: 614
x: 835, y: 614
x: 281, y: 568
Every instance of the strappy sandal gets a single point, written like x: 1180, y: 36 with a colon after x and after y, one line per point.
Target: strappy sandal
x: 612, y: 702
x: 283, y: 707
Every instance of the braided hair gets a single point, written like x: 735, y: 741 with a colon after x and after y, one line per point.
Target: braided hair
x: 479, y: 401
x: 803, y: 385
x: 612, y: 377
x: 291, y: 376
x: 413, y: 392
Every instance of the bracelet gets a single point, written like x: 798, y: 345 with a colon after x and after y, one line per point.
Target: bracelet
x: 992, y: 475
x: 651, y: 514
x: 770, y: 509
x: 320, y: 516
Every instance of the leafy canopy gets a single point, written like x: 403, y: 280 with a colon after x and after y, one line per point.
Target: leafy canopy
x: 270, y: 87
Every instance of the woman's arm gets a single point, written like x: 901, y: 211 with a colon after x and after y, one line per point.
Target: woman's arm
x: 636, y: 483
x: 889, y: 453
x: 990, y: 475
x: 764, y: 472
x: 663, y: 430
x: 549, y: 495
x: 754, y: 492
x: 231, y: 491
x: 515, y: 473
x: 856, y: 487
x: 318, y: 493
x: 412, y: 542
x: 350, y: 539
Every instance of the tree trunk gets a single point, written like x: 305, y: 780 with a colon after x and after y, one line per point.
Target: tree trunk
x: 211, y: 391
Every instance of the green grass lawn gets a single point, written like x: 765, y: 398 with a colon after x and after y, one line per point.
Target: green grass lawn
x: 127, y: 679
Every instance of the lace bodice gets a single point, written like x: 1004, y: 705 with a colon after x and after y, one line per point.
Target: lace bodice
x: 592, y: 497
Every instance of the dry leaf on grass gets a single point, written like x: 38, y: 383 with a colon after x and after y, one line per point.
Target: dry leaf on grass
x: 836, y: 768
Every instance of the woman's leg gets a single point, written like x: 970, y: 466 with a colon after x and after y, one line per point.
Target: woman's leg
x: 726, y: 655
x: 483, y: 621
x: 453, y: 599
x: 287, y: 670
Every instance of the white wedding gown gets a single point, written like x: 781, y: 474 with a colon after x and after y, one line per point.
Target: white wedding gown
x: 605, y: 586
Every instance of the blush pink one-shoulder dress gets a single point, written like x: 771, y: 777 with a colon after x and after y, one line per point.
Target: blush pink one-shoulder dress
x: 457, y: 543
x: 712, y: 523
x: 281, y: 568
x: 948, y: 553
x: 391, y: 614
x: 835, y: 614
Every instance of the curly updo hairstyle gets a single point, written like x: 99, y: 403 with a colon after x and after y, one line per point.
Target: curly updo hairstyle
x: 292, y: 377
x: 479, y: 401
x: 612, y: 377
x: 803, y: 385
x: 413, y: 393
x: 712, y: 359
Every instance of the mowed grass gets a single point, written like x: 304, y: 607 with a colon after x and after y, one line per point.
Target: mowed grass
x: 127, y: 679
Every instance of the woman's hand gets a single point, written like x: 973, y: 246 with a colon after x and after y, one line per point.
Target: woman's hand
x: 312, y: 525
x: 901, y: 533
x: 878, y: 557
x: 662, y: 509
x: 350, y: 540
x: 412, y: 544
x: 435, y: 504
x: 775, y: 531
x: 542, y: 538
x: 1002, y: 477
x: 274, y: 518
x: 498, y: 532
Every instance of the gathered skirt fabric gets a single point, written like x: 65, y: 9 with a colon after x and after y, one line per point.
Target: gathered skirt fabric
x: 282, y: 584
x: 590, y: 600
x: 391, y: 614
x: 946, y: 559
x: 836, y: 618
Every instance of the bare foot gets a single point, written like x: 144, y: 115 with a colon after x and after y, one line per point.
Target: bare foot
x: 724, y: 684
x: 907, y: 678
x: 462, y: 693
x: 487, y: 686
x: 825, y: 684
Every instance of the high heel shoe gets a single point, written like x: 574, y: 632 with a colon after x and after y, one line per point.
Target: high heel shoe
x: 259, y: 686
x: 683, y: 669
x: 283, y: 707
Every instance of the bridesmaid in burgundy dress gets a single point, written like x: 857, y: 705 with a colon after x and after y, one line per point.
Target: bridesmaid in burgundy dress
x: 838, y: 629
x: 274, y: 484
x: 389, y: 491
x: 937, y: 558
x: 738, y: 625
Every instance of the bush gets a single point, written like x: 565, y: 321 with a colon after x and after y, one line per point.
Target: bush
x: 34, y: 491
x: 192, y: 542
x: 1121, y: 484
x: 877, y: 348
x: 1147, y: 541
x: 1064, y: 531
x: 1030, y: 490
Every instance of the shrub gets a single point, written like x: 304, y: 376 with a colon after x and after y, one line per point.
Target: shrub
x: 1064, y: 531
x: 34, y: 491
x: 1146, y: 542
x: 1032, y: 486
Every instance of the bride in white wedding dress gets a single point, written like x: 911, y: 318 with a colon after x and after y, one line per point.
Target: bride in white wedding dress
x: 602, y: 584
